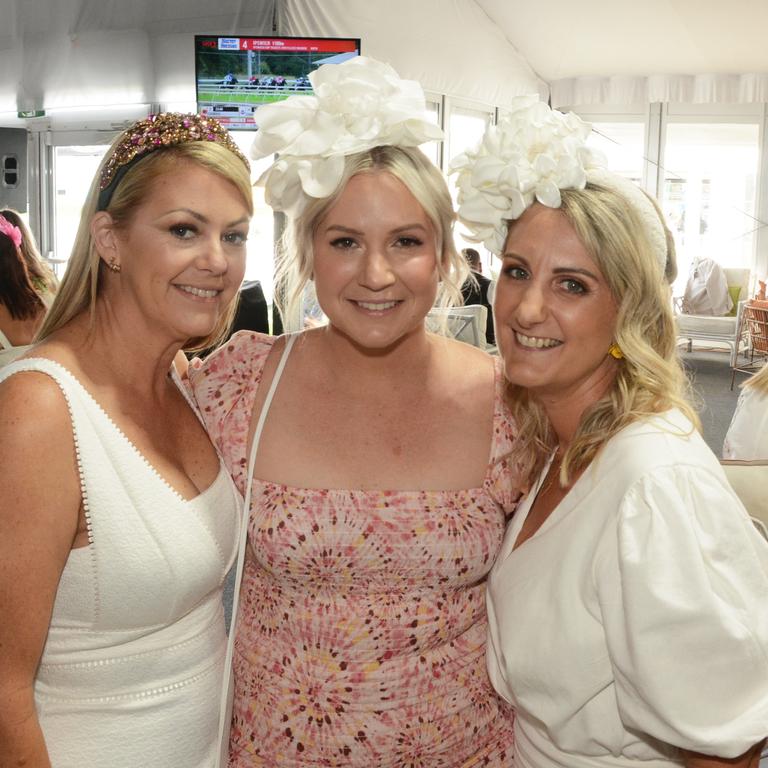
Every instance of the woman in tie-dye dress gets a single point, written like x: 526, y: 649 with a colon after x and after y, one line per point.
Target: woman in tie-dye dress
x: 380, y: 491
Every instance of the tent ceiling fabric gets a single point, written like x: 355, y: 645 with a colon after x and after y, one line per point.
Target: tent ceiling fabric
x: 71, y: 53
x: 449, y: 46
x: 563, y: 39
x: 603, y: 51
x: 85, y: 53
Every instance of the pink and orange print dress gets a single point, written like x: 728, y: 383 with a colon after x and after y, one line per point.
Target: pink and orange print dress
x: 360, y: 637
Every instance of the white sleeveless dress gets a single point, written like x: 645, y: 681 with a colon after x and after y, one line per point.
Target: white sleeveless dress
x: 131, y: 674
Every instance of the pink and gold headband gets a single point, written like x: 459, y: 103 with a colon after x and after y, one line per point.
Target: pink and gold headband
x: 13, y: 232
x: 160, y: 131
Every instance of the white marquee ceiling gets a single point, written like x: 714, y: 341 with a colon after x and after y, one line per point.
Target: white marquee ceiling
x: 578, y: 38
x: 60, y: 53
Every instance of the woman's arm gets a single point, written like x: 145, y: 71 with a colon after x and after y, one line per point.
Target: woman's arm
x: 750, y: 759
x: 38, y: 519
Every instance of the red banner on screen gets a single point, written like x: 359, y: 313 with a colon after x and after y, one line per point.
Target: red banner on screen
x: 298, y: 45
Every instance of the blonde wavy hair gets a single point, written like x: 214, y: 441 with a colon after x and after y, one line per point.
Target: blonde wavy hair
x: 295, y: 256
x: 650, y: 378
x: 79, y: 287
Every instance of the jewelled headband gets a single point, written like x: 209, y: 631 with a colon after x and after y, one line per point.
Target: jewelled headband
x: 159, y: 131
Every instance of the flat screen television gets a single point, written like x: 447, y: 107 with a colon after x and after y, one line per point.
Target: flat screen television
x: 235, y: 75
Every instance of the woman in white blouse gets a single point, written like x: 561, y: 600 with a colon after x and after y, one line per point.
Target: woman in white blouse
x: 628, y: 607
x: 747, y: 437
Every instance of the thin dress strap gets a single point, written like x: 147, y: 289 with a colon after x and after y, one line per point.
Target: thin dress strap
x: 225, y: 712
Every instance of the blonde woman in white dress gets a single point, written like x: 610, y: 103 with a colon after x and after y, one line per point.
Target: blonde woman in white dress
x: 118, y: 519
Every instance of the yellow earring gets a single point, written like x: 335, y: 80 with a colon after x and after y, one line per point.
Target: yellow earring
x: 615, y: 351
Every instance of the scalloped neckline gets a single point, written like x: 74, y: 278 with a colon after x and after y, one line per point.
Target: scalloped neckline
x: 151, y: 467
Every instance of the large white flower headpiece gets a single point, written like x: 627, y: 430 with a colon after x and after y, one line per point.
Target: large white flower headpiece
x: 529, y: 156
x: 358, y: 105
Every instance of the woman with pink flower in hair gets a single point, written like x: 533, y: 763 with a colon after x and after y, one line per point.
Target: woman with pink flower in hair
x: 370, y: 454
x: 21, y: 308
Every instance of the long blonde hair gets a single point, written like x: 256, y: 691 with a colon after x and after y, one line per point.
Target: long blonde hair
x: 80, y: 285
x: 409, y: 165
x: 650, y: 378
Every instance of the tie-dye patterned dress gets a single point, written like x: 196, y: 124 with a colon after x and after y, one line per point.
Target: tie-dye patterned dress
x: 360, y: 637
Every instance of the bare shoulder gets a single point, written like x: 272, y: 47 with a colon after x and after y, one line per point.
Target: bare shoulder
x: 38, y: 469
x: 470, y: 365
x: 29, y: 394
x: 32, y: 409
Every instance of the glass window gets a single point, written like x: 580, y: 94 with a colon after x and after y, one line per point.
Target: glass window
x: 432, y: 148
x: 622, y: 143
x: 465, y: 129
x: 74, y: 167
x: 709, y: 191
x: 260, y: 263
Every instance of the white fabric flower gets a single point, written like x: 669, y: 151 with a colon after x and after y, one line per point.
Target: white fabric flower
x: 357, y: 105
x: 531, y: 155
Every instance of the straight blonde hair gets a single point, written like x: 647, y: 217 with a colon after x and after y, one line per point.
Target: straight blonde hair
x: 80, y: 285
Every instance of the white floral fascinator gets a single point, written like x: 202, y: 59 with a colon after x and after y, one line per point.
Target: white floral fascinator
x: 358, y: 105
x: 529, y: 156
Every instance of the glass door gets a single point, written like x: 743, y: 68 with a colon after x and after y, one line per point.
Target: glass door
x: 72, y: 158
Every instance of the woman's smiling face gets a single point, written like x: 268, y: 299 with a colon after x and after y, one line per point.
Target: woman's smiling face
x: 554, y: 313
x: 375, y: 261
x: 181, y: 254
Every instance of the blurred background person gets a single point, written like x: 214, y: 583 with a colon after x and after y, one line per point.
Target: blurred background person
x: 21, y: 306
x: 42, y: 276
x: 747, y: 437
x: 475, y: 290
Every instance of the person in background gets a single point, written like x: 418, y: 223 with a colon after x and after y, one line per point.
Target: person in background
x: 374, y: 507
x: 252, y: 309
x: 475, y: 290
x: 118, y: 520
x: 747, y: 436
x: 41, y: 275
x: 21, y: 308
x: 627, y: 608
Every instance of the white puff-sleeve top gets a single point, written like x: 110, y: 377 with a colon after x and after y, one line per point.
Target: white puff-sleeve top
x: 635, y: 620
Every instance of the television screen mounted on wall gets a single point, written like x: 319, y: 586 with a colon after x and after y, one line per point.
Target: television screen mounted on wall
x: 236, y: 75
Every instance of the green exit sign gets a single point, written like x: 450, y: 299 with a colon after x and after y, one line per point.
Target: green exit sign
x: 31, y: 113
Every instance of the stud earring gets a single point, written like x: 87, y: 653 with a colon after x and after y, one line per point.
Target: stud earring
x: 615, y: 351
x: 113, y: 265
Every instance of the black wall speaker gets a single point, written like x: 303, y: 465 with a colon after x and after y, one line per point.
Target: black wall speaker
x: 13, y: 168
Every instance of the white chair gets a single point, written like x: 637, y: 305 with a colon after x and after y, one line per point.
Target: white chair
x: 462, y: 323
x: 723, y: 330
x: 750, y: 481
